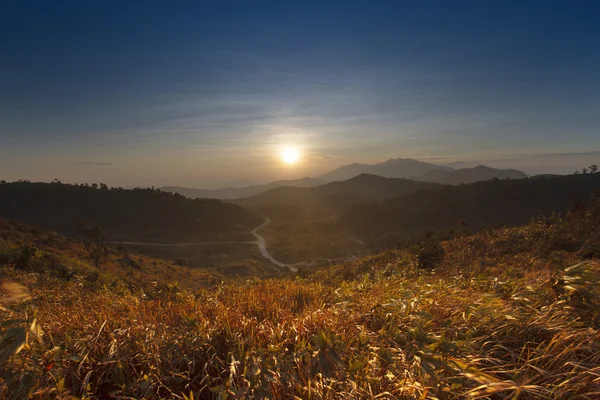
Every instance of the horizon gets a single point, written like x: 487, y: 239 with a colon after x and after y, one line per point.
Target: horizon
x: 210, y: 96
x: 240, y: 183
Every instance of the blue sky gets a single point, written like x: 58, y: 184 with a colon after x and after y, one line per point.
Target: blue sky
x: 201, y: 93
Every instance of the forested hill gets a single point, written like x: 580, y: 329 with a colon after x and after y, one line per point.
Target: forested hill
x: 337, y: 196
x: 132, y: 215
x: 510, y: 202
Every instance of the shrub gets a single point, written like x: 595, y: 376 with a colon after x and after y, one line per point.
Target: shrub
x: 427, y: 250
x: 93, y: 242
x: 24, y: 257
x: 8, y: 256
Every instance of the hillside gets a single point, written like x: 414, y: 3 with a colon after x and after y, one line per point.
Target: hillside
x: 42, y: 253
x: 240, y: 192
x: 337, y: 196
x: 392, y: 168
x: 470, y: 175
x: 481, y: 204
x: 506, y: 313
x: 125, y: 215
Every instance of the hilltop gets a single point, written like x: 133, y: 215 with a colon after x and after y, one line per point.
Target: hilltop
x: 505, y: 313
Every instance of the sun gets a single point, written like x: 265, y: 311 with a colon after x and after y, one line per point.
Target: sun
x: 290, y: 155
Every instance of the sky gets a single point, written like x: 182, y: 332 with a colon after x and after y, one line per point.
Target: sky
x: 207, y: 93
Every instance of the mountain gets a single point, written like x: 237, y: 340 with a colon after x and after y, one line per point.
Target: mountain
x: 470, y: 175
x: 240, y: 192
x: 392, y: 168
x: 509, y: 202
x: 336, y: 196
x: 143, y: 215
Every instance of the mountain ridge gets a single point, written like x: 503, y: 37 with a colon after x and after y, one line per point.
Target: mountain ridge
x: 392, y: 168
x: 470, y: 175
x: 405, y: 168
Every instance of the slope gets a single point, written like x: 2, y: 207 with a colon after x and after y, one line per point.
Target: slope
x: 45, y: 255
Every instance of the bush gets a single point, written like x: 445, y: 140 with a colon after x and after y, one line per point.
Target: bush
x: 24, y: 258
x: 427, y: 250
x: 8, y: 256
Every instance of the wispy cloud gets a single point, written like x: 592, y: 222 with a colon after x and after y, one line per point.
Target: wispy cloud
x: 96, y: 164
x: 581, y: 153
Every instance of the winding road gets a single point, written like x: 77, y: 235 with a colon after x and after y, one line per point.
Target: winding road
x: 260, y: 242
x: 262, y: 246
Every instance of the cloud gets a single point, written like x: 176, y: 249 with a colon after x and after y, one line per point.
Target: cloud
x: 582, y: 153
x: 97, y: 164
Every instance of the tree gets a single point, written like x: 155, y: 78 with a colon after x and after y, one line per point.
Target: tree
x: 584, y: 171
x: 593, y: 168
x: 93, y: 242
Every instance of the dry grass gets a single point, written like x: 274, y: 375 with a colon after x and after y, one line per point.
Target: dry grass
x: 503, y: 317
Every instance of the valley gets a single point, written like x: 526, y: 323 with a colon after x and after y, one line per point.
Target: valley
x: 309, y: 227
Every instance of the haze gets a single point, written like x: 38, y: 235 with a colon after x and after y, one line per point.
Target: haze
x: 208, y: 94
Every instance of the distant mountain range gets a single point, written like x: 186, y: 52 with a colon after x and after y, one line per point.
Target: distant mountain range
x: 422, y: 171
x: 392, y: 168
x: 405, y: 168
x: 241, y: 192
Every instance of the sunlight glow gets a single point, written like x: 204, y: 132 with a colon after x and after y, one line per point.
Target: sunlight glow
x: 290, y: 155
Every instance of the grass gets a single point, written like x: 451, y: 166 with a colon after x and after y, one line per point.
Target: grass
x: 509, y: 313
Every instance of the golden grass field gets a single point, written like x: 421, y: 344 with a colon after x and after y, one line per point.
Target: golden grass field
x: 510, y: 313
